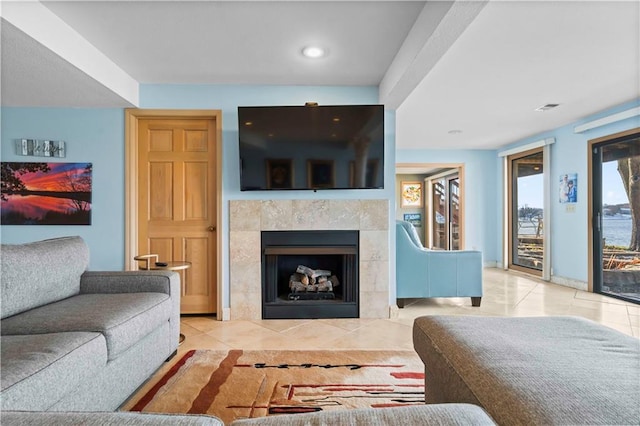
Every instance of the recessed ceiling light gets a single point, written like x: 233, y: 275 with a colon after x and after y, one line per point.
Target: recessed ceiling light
x: 248, y: 123
x: 314, y: 52
x: 546, y: 107
x: 336, y: 119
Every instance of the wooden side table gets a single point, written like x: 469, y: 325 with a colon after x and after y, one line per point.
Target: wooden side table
x: 152, y: 264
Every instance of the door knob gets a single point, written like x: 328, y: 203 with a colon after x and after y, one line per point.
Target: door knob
x: 211, y: 228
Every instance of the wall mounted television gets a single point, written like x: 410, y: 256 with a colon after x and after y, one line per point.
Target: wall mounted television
x: 311, y: 147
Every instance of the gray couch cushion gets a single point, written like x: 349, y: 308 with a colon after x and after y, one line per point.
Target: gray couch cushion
x: 37, y: 370
x: 35, y: 274
x: 123, y: 318
x: 105, y: 419
x: 415, y: 415
x: 543, y: 370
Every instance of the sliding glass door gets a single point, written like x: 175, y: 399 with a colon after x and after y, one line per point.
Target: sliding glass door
x: 454, y: 212
x: 615, y: 177
x: 439, y: 214
x: 526, y: 239
x: 445, y: 216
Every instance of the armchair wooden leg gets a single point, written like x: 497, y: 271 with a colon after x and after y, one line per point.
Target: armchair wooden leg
x: 400, y: 303
x: 475, y: 301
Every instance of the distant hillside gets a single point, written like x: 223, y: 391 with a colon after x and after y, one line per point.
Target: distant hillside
x: 612, y: 210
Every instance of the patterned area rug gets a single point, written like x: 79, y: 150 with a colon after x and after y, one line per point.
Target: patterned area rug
x: 242, y: 384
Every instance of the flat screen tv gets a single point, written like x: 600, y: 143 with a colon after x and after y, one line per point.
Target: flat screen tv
x: 311, y: 147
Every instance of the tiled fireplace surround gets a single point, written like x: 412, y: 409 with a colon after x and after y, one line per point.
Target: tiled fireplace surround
x: 247, y: 218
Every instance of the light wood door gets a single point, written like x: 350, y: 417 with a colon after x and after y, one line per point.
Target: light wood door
x: 177, y: 202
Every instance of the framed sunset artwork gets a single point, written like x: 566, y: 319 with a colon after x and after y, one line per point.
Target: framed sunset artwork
x: 46, y: 193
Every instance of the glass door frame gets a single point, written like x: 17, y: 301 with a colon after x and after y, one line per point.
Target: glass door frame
x: 453, y: 180
x: 510, y: 209
x: 447, y: 178
x: 594, y: 222
x: 545, y: 144
x: 437, y: 238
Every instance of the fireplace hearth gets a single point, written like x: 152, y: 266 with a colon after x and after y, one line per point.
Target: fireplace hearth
x: 310, y: 274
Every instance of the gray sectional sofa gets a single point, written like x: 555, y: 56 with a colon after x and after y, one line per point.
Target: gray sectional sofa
x: 76, y: 344
x: 75, y: 340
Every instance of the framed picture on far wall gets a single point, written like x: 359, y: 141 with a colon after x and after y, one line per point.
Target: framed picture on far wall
x: 411, y: 194
x: 279, y: 173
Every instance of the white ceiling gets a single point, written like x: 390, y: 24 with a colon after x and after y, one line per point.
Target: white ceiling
x: 473, y: 66
x: 245, y: 42
x: 518, y: 56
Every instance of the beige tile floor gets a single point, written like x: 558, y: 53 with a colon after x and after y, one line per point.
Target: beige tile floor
x: 505, y: 294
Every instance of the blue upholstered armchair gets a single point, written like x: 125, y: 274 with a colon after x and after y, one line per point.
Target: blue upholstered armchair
x: 434, y: 273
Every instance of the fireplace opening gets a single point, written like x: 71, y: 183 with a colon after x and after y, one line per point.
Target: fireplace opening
x: 310, y: 274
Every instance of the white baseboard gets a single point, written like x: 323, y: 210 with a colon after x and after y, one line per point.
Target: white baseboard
x: 394, y: 311
x: 226, y: 314
x: 570, y: 282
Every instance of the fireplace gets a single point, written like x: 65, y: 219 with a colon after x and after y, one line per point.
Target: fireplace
x: 249, y: 218
x: 310, y: 274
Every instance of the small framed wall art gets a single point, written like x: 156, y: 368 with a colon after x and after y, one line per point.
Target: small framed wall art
x: 411, y: 194
x: 569, y: 188
x: 414, y: 218
x: 38, y: 148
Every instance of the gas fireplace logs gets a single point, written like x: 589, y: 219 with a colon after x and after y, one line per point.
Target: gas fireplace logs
x: 306, y: 280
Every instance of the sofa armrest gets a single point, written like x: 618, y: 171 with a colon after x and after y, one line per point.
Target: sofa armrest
x: 92, y: 282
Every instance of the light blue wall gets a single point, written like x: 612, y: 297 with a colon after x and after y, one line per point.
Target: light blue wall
x: 92, y: 136
x: 569, y: 154
x: 97, y: 136
x: 479, y: 198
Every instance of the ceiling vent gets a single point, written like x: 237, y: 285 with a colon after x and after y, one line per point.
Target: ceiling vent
x: 546, y: 107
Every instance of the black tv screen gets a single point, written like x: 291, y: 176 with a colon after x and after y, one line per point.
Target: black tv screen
x: 311, y: 147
